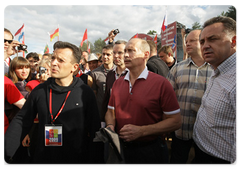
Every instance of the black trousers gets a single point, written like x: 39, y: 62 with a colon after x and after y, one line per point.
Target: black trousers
x: 180, y: 150
x: 203, y: 158
x: 154, y: 152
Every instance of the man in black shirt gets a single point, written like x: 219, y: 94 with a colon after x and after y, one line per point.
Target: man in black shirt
x: 67, y: 112
x: 154, y: 63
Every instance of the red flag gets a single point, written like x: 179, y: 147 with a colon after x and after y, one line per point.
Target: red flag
x: 80, y: 72
x: 19, y: 31
x: 84, y: 37
x: 106, y: 40
x: 54, y: 33
x: 21, y: 36
x: 155, y: 39
x: 136, y: 36
x: 164, y: 24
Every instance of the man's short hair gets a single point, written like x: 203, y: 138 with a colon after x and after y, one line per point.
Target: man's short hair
x: 121, y: 42
x: 229, y: 24
x: 76, y: 51
x: 8, y: 31
x: 152, y: 45
x: 166, y: 50
x: 33, y: 55
x: 85, y: 51
x: 108, y: 47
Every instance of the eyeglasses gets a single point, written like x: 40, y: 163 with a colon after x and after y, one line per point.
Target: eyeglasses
x: 9, y: 41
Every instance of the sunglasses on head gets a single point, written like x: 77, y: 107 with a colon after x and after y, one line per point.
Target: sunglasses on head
x: 9, y: 41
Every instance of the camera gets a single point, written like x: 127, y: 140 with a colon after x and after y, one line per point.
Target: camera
x: 42, y: 70
x: 188, y: 30
x: 116, y: 31
x: 22, y: 47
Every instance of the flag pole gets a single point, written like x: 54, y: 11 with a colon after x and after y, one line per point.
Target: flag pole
x: 23, y: 41
x: 166, y: 23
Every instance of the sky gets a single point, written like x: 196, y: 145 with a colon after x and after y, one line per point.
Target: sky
x: 73, y: 20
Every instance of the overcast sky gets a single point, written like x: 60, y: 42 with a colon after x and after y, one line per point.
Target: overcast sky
x: 99, y: 20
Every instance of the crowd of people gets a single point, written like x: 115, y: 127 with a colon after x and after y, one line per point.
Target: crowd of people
x: 55, y: 103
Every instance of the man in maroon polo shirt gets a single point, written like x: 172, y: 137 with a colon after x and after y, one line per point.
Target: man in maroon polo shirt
x: 142, y: 107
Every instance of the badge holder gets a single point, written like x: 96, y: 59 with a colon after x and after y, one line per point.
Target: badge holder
x: 53, y: 135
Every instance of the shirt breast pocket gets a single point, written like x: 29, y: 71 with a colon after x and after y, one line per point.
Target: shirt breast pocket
x: 221, y: 107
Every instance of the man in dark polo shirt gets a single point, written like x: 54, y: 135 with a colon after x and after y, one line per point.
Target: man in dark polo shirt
x: 120, y: 70
x: 142, y: 106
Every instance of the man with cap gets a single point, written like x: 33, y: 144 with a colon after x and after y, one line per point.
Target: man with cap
x: 92, y: 62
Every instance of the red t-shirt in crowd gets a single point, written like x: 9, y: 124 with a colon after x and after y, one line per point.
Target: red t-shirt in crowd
x: 32, y: 84
x: 12, y: 95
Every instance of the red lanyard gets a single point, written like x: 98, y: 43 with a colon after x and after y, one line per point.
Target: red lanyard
x: 50, y: 106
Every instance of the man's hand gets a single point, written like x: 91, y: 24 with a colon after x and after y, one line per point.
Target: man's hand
x: 43, y: 77
x: 130, y: 132
x: 111, y: 36
x: 111, y: 127
x: 26, y: 141
x: 183, y: 33
x: 12, y: 47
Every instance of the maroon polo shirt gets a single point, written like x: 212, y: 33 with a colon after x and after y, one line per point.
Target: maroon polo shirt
x: 145, y: 103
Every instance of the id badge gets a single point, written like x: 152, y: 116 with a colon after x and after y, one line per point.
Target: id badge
x: 53, y: 135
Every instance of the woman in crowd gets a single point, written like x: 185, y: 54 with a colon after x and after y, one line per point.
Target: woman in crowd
x: 19, y: 73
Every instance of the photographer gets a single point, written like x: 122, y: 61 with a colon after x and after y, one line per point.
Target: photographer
x: 43, y: 73
x: 9, y: 48
x: 33, y: 58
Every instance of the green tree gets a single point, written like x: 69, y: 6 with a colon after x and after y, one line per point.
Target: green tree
x: 230, y: 13
x: 98, y: 45
x: 223, y: 13
x: 152, y: 32
x: 196, y: 25
x: 84, y: 47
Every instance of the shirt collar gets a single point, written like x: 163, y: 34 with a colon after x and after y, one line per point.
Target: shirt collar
x: 191, y: 61
x: 227, y: 64
x: 115, y: 70
x: 143, y: 75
